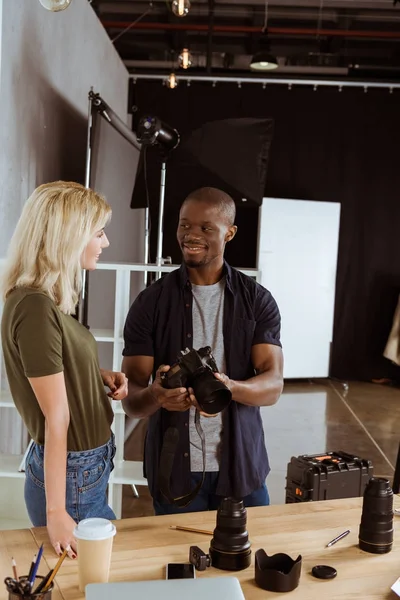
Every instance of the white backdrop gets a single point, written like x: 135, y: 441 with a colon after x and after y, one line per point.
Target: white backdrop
x: 297, y: 254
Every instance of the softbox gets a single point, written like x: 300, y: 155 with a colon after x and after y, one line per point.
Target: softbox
x: 231, y: 155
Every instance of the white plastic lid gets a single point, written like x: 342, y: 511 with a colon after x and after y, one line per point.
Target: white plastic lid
x: 94, y: 529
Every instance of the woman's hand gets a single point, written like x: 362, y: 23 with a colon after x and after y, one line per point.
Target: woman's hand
x: 60, y: 527
x: 117, y: 382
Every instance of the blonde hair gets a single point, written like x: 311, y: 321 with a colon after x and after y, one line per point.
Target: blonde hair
x: 57, y: 223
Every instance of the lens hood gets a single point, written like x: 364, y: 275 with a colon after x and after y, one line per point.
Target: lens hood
x: 277, y: 573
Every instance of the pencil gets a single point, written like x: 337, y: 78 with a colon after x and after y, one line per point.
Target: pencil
x: 14, y: 568
x: 54, y: 571
x: 191, y: 529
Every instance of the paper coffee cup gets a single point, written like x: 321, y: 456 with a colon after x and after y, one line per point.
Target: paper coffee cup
x: 94, y: 541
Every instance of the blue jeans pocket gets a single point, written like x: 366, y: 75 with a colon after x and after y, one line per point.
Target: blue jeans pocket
x: 35, y: 471
x: 92, y: 475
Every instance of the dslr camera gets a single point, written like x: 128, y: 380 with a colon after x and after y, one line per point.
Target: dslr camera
x: 195, y: 368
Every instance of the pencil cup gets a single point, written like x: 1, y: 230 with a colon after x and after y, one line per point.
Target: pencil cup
x: 94, y: 541
x: 18, y: 594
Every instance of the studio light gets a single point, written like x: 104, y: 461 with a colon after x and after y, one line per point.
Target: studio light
x: 185, y: 59
x: 151, y: 131
x: 180, y: 8
x: 55, y: 5
x: 172, y: 81
x: 263, y: 61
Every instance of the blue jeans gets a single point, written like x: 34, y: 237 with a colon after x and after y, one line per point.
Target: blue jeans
x: 207, y: 499
x: 87, y: 479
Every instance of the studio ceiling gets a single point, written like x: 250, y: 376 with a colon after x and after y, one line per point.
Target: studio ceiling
x: 330, y: 37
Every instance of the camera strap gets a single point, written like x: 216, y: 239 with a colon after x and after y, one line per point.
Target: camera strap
x: 168, y: 451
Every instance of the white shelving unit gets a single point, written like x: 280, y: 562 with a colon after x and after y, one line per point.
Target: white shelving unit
x: 125, y: 472
x: 10, y: 464
x: 6, y: 400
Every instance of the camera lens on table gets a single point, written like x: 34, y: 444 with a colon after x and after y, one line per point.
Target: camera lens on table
x: 376, y: 527
x: 230, y: 545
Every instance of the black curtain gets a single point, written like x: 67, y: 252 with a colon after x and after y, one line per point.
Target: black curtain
x: 328, y: 146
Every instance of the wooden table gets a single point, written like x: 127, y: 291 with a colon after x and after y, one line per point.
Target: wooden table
x: 143, y: 546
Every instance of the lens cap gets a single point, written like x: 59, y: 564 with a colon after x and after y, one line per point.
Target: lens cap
x: 323, y: 572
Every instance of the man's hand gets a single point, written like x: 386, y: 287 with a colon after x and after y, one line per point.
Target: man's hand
x: 193, y: 402
x: 60, y: 527
x: 176, y: 399
x: 117, y: 382
x: 225, y: 380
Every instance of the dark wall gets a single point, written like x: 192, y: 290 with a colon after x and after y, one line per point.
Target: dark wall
x: 328, y: 146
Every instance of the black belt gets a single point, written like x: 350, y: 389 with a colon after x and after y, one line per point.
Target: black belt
x: 168, y: 451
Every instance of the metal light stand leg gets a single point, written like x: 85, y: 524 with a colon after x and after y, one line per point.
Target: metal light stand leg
x: 82, y: 309
x: 159, y: 258
x: 258, y: 277
x: 146, y: 240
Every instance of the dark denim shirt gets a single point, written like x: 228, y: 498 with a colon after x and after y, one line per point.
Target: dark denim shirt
x: 159, y: 324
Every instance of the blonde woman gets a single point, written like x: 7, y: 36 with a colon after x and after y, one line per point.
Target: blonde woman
x: 51, y: 359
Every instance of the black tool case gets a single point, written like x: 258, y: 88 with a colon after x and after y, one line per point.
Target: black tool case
x: 326, y: 477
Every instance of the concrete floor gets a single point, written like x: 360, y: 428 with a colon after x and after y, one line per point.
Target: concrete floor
x: 311, y: 417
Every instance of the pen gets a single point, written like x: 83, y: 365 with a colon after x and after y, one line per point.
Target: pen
x: 35, y: 568
x: 338, y: 538
x: 31, y: 568
x: 180, y: 528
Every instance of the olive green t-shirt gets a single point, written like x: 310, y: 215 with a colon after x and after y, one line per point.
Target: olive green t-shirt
x: 39, y: 340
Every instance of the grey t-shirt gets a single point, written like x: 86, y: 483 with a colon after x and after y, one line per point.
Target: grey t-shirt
x: 207, y: 314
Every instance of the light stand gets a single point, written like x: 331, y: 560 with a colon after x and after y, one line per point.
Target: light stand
x: 82, y: 307
x: 151, y: 131
x: 96, y: 103
x: 160, y: 233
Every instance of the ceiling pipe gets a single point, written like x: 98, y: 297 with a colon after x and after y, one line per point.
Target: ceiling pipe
x: 290, y: 82
x: 306, y: 31
x: 164, y: 66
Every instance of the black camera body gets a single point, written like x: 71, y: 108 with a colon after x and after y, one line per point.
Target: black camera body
x: 195, y: 368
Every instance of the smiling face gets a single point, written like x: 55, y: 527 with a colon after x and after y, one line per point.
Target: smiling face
x: 203, y: 231
x: 93, y: 250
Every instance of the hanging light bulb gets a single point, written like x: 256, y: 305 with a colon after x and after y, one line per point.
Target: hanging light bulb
x: 185, y: 59
x: 180, y: 8
x: 55, y: 5
x: 172, y: 81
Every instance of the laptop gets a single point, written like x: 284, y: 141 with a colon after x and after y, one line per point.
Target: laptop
x: 210, y: 588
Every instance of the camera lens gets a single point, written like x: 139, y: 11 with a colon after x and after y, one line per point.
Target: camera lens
x: 230, y: 546
x: 211, y: 394
x: 376, y: 527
